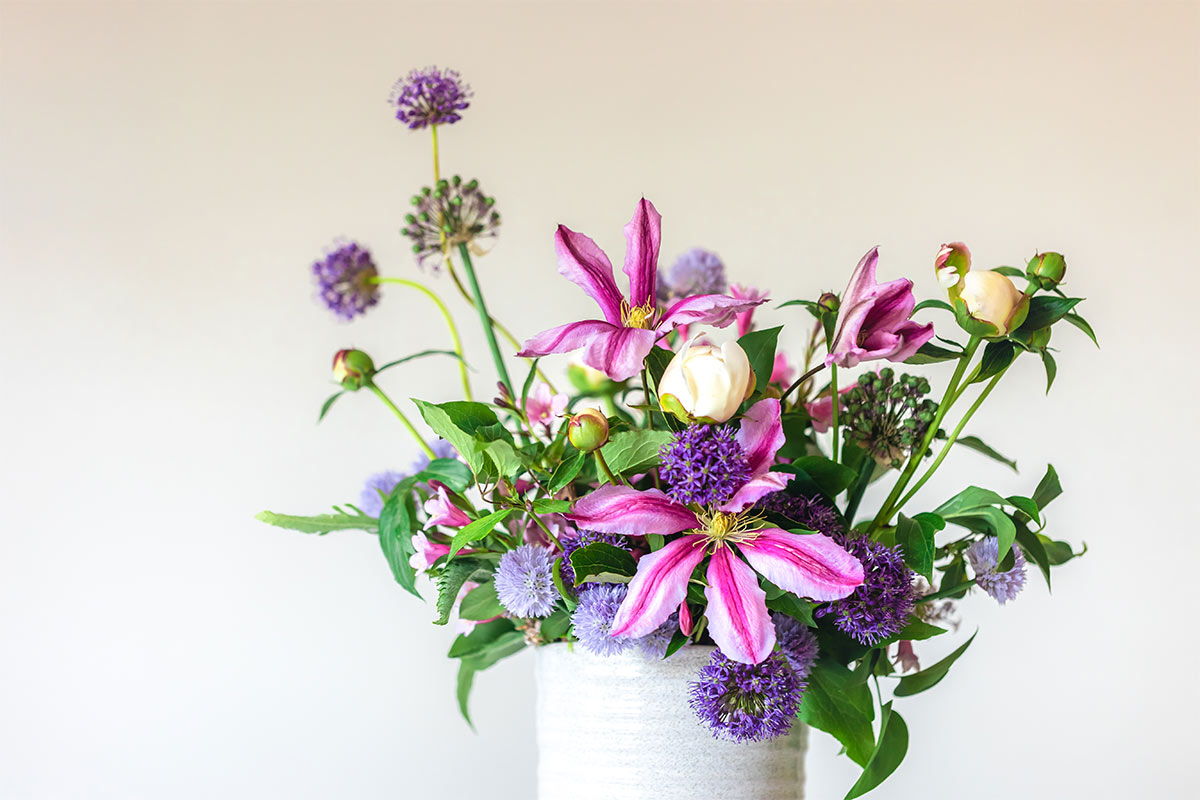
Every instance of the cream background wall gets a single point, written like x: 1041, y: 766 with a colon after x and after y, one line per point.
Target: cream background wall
x: 169, y: 170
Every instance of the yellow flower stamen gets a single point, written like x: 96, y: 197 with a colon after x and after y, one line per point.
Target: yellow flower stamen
x: 723, y: 527
x: 639, y: 316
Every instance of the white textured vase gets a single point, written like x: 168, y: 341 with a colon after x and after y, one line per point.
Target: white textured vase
x: 621, y: 727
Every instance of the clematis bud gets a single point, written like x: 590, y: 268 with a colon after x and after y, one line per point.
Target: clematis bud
x: 992, y: 298
x: 588, y: 430
x: 706, y: 383
x: 353, y: 369
x: 1047, y: 269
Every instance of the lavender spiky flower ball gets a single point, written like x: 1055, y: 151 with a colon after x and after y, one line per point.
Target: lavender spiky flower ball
x: 376, y: 489
x: 582, y: 539
x: 697, y: 271
x: 524, y: 582
x: 344, y: 280
x: 984, y: 558
x: 704, y: 464
x: 880, y: 607
x: 797, y: 642
x: 654, y: 644
x: 593, y: 618
x: 747, y: 702
x: 441, y: 449
x: 813, y: 513
x: 430, y: 96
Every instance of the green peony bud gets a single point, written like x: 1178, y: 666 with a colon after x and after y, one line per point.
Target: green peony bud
x: 829, y: 302
x: 353, y: 369
x: 588, y: 430
x: 1048, y: 269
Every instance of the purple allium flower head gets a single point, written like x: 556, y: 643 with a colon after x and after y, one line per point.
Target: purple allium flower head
x: 879, y: 607
x: 444, y: 216
x: 524, y: 583
x: 698, y: 271
x: 1002, y: 586
x: 747, y: 702
x: 376, y: 490
x: 582, y: 539
x: 798, y: 643
x: 654, y: 644
x: 813, y: 513
x: 344, y: 280
x: 441, y: 449
x: 593, y: 617
x: 704, y: 464
x: 430, y: 96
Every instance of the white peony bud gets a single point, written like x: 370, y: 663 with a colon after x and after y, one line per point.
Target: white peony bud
x: 707, y: 382
x: 990, y: 297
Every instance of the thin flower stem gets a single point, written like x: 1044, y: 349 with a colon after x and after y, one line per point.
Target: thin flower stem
x: 533, y: 515
x: 437, y: 170
x: 437, y: 301
x: 800, y: 381
x: 941, y: 456
x: 604, y: 466
x: 646, y: 392
x: 488, y: 327
x: 387, y: 401
x: 859, y: 487
x: 833, y: 390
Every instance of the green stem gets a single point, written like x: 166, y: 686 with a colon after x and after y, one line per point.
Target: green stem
x: 604, y: 466
x: 941, y: 456
x: 914, y: 460
x: 836, y: 402
x: 488, y: 328
x: 387, y: 401
x: 859, y: 488
x: 800, y: 381
x: 437, y: 301
x: 545, y: 530
x: 646, y: 392
x: 437, y: 172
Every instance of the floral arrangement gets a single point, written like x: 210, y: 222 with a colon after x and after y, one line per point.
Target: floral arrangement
x: 683, y: 492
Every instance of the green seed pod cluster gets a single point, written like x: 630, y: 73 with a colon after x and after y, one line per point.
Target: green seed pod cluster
x: 888, y: 416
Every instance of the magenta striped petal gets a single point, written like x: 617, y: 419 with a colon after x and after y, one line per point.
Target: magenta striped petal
x: 755, y: 489
x: 566, y: 338
x: 583, y: 263
x: 873, y: 321
x: 642, y: 237
x: 761, y: 435
x: 809, y: 565
x: 659, y: 586
x: 621, y: 352
x: 620, y: 509
x: 717, y: 310
x: 738, y: 620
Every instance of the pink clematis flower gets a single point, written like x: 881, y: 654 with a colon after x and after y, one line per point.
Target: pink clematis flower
x: 873, y: 319
x: 542, y: 406
x: 441, y: 511
x: 745, y: 319
x: 618, y: 344
x: 811, y: 565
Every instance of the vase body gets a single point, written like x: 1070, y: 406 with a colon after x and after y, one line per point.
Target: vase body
x: 621, y: 727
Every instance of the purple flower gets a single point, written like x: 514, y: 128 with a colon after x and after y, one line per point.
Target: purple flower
x: 984, y: 558
x: 873, y: 319
x: 813, y: 513
x: 797, y: 642
x: 747, y: 702
x: 593, y: 619
x: 880, y: 607
x: 376, y: 490
x: 524, y: 583
x: 654, y: 645
x: 704, y: 464
x: 430, y: 96
x: 344, y: 280
x: 440, y: 447
x: 444, y: 216
x: 697, y: 271
x: 582, y: 539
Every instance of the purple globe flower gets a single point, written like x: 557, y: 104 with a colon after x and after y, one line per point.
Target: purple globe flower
x: 593, y: 617
x: 430, y: 96
x: 984, y: 558
x: 524, y: 582
x: 344, y: 280
x: 880, y: 607
x: 441, y: 449
x: 704, y: 464
x: 797, y: 642
x: 376, y: 490
x: 698, y: 271
x: 813, y: 513
x: 654, y: 645
x: 582, y: 539
x: 747, y: 702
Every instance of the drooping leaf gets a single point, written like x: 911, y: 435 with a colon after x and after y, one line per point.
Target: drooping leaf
x: 931, y: 303
x: 997, y: 355
x: 980, y: 446
x: 602, y: 563
x: 1026, y: 507
x: 1034, y: 550
x: 1082, y: 324
x: 917, y: 543
x: 415, y: 356
x: 481, y: 603
x: 480, y: 638
x: 450, y: 583
x: 836, y: 704
x: 395, y: 533
x: 929, y: 677
x: 466, y: 679
x: 328, y: 404
x: 634, y: 450
x: 320, y: 524
x: 760, y: 349
x: 892, y: 747
x: 566, y: 472
x: 478, y: 529
x: 1048, y: 489
x: 504, y: 646
x: 1051, y: 369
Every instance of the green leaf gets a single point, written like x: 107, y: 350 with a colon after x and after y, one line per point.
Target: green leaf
x: 1026, y: 506
x: 928, y: 678
x: 975, y: 508
x: 918, y: 629
x: 478, y: 529
x: 812, y: 305
x: 836, y: 704
x: 1051, y: 369
x: 566, y: 472
x: 760, y: 349
x: 1048, y: 489
x: 556, y: 625
x: 932, y: 354
x: 980, y: 446
x: 657, y: 363
x: 395, y: 533
x: 480, y: 639
x: 1011, y: 272
x: 1045, y: 310
x: 328, y: 404
x: 795, y: 607
x: 504, y: 646
x: 481, y: 603
x: 942, y: 304
x: 602, y: 563
x: 997, y: 355
x: 504, y: 456
x: 548, y: 506
x: 321, y: 523
x: 1082, y: 324
x: 635, y: 450
x: 415, y: 356
x: 831, y: 477
x: 528, y: 382
x: 466, y: 679
x: 892, y: 747
x: 971, y: 497
x: 1034, y: 550
x: 450, y: 471
x: 568, y: 596
x: 450, y: 583
x: 467, y: 426
x: 918, y: 546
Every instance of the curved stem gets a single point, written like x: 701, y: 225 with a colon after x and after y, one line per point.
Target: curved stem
x: 387, y: 401
x: 800, y: 381
x: 485, y: 318
x: 437, y: 301
x: 604, y: 466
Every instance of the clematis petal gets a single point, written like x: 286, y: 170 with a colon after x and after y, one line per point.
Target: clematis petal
x: 659, y: 586
x: 873, y: 321
x: 810, y: 565
x: 738, y: 620
x: 761, y: 434
x: 717, y: 310
x: 566, y: 338
x: 642, y: 237
x: 620, y: 509
x: 621, y: 352
x: 755, y: 489
x: 581, y: 261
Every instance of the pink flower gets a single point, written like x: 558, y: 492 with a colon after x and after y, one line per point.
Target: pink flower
x: 906, y: 659
x: 820, y: 411
x: 781, y: 371
x: 873, y: 319
x: 745, y: 319
x: 618, y: 344
x: 542, y: 406
x: 425, y: 552
x: 441, y: 511
x: 807, y: 565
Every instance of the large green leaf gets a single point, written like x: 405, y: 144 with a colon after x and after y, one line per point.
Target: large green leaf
x: 971, y: 497
x: 478, y: 529
x: 929, y: 677
x: 480, y: 638
x: 760, y: 349
x: 321, y: 523
x: 396, y: 524
x: 831, y: 477
x: 450, y: 583
x: 795, y: 607
x: 932, y: 354
x: 634, y: 450
x: 481, y: 603
x: 450, y: 471
x: 470, y: 427
x: 1045, y: 310
x: 1048, y: 489
x: 566, y: 472
x: 1033, y: 548
x: 836, y: 704
x: 997, y: 355
x: 980, y: 446
x: 892, y: 747
x: 916, y: 540
x: 602, y: 563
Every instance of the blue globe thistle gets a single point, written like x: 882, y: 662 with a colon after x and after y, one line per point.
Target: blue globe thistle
x: 582, y: 539
x: 880, y: 607
x: 430, y: 96
x: 697, y: 271
x: 593, y: 618
x: 444, y: 216
x: 376, y: 490
x: 984, y: 558
x: 524, y: 582
x: 747, y: 702
x: 797, y: 642
x: 654, y: 644
x: 814, y: 513
x: 344, y: 280
x: 704, y: 464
